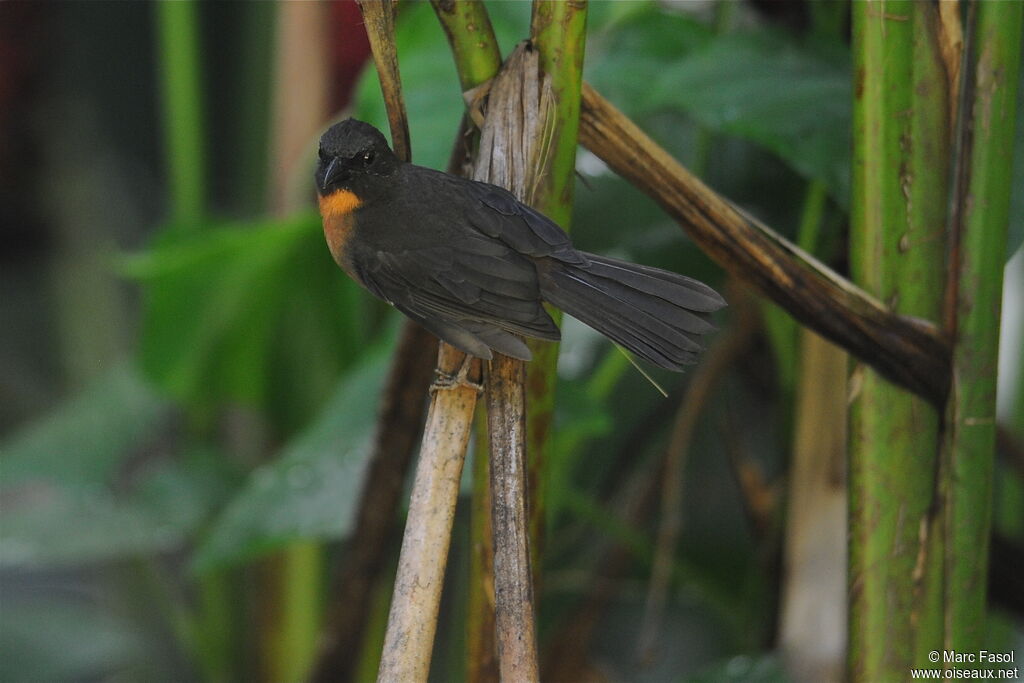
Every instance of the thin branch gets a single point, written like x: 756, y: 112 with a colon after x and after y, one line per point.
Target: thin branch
x: 518, y: 110
x: 910, y: 351
x: 513, y: 581
x: 566, y: 656
x: 379, y: 17
x: 374, y: 531
x: 412, y: 622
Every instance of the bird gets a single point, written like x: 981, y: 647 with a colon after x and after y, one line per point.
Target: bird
x: 474, y: 265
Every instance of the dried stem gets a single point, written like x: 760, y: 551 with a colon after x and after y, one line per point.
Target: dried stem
x: 397, y: 428
x: 513, y: 582
x: 812, y: 624
x: 412, y: 622
x: 517, y: 112
x: 379, y: 17
x: 908, y: 350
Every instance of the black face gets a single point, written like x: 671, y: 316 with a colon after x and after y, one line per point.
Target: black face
x: 350, y: 152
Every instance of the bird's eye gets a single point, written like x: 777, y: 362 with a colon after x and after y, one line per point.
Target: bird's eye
x: 322, y: 154
x: 367, y: 157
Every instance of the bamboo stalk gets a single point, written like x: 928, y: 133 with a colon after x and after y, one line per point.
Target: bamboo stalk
x: 813, y: 616
x: 976, y: 276
x: 471, y: 37
x: 513, y: 581
x: 400, y: 415
x: 558, y: 31
x: 481, y: 640
x: 412, y: 621
x: 183, y: 105
x: 394, y: 446
x: 519, y: 108
x: 210, y: 632
x: 293, y: 578
x: 902, y: 137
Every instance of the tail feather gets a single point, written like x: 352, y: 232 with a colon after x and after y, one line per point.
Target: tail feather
x: 654, y: 313
x: 618, y: 328
x: 683, y: 291
x: 617, y: 302
x: 681, y: 316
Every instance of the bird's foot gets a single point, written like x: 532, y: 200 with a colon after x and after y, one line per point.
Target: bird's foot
x: 445, y: 381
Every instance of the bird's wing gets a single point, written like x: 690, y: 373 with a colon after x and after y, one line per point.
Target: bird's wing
x: 498, y: 214
x: 478, y: 280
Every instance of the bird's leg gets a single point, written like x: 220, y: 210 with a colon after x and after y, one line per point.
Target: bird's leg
x: 444, y: 380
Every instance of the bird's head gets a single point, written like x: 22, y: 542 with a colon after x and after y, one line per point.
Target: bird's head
x: 351, y: 154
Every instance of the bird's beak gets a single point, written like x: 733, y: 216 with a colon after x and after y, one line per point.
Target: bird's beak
x: 335, y: 169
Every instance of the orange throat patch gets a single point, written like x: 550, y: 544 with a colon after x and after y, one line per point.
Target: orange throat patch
x: 338, y: 203
x: 337, y: 210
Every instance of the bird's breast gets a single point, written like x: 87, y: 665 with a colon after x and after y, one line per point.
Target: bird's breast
x: 338, y: 212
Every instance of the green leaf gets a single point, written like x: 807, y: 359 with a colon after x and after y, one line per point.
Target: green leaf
x: 64, y: 640
x: 47, y: 524
x: 765, y: 90
x: 311, y: 490
x: 647, y: 41
x: 213, y: 299
x: 760, y: 87
x: 83, y: 441
x: 68, y: 495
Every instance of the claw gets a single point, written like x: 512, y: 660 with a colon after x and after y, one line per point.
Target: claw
x: 445, y: 381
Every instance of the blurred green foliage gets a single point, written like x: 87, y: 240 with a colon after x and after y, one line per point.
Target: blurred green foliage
x: 310, y: 490
x: 254, y: 313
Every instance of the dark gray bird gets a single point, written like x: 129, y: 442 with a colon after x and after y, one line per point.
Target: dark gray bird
x: 473, y: 265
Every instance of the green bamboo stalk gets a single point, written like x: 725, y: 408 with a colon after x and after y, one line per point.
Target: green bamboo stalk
x: 901, y: 145
x: 471, y: 36
x: 177, y: 26
x: 184, y: 132
x: 215, y: 647
x: 558, y: 31
x: 299, y: 581
x: 294, y: 576
x: 970, y: 414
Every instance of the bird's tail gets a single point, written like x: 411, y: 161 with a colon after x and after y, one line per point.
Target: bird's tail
x: 656, y: 314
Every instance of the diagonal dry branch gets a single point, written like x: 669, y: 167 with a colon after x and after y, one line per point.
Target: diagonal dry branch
x: 379, y: 17
x: 909, y: 351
